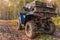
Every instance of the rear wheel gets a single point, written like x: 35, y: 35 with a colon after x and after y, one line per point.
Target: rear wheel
x: 30, y: 29
x: 50, y: 28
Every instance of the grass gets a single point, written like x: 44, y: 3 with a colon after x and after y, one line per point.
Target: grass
x: 57, y: 26
x: 57, y: 22
x: 46, y: 37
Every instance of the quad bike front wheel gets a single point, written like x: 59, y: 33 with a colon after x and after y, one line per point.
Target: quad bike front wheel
x: 30, y: 29
x: 19, y: 25
x: 50, y: 28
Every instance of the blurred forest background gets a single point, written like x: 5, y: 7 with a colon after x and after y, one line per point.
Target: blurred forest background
x: 10, y: 9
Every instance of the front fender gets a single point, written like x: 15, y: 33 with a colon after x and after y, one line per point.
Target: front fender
x: 29, y: 18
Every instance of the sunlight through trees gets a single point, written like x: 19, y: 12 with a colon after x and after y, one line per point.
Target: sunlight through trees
x: 13, y: 7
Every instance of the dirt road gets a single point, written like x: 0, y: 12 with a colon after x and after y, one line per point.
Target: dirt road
x: 8, y: 32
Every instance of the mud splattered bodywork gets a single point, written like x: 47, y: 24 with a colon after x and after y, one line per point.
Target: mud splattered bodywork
x: 38, y: 18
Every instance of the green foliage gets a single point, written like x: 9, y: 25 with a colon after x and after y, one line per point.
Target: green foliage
x: 46, y: 37
x: 58, y: 26
x: 57, y: 22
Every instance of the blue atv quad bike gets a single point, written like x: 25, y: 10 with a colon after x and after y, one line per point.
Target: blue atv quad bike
x: 38, y: 19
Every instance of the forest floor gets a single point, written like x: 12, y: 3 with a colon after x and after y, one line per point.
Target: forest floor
x: 10, y: 32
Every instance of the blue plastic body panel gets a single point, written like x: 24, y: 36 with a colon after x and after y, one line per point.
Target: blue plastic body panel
x: 22, y: 17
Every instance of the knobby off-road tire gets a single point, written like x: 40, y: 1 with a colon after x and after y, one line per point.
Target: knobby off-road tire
x: 50, y: 28
x: 30, y: 29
